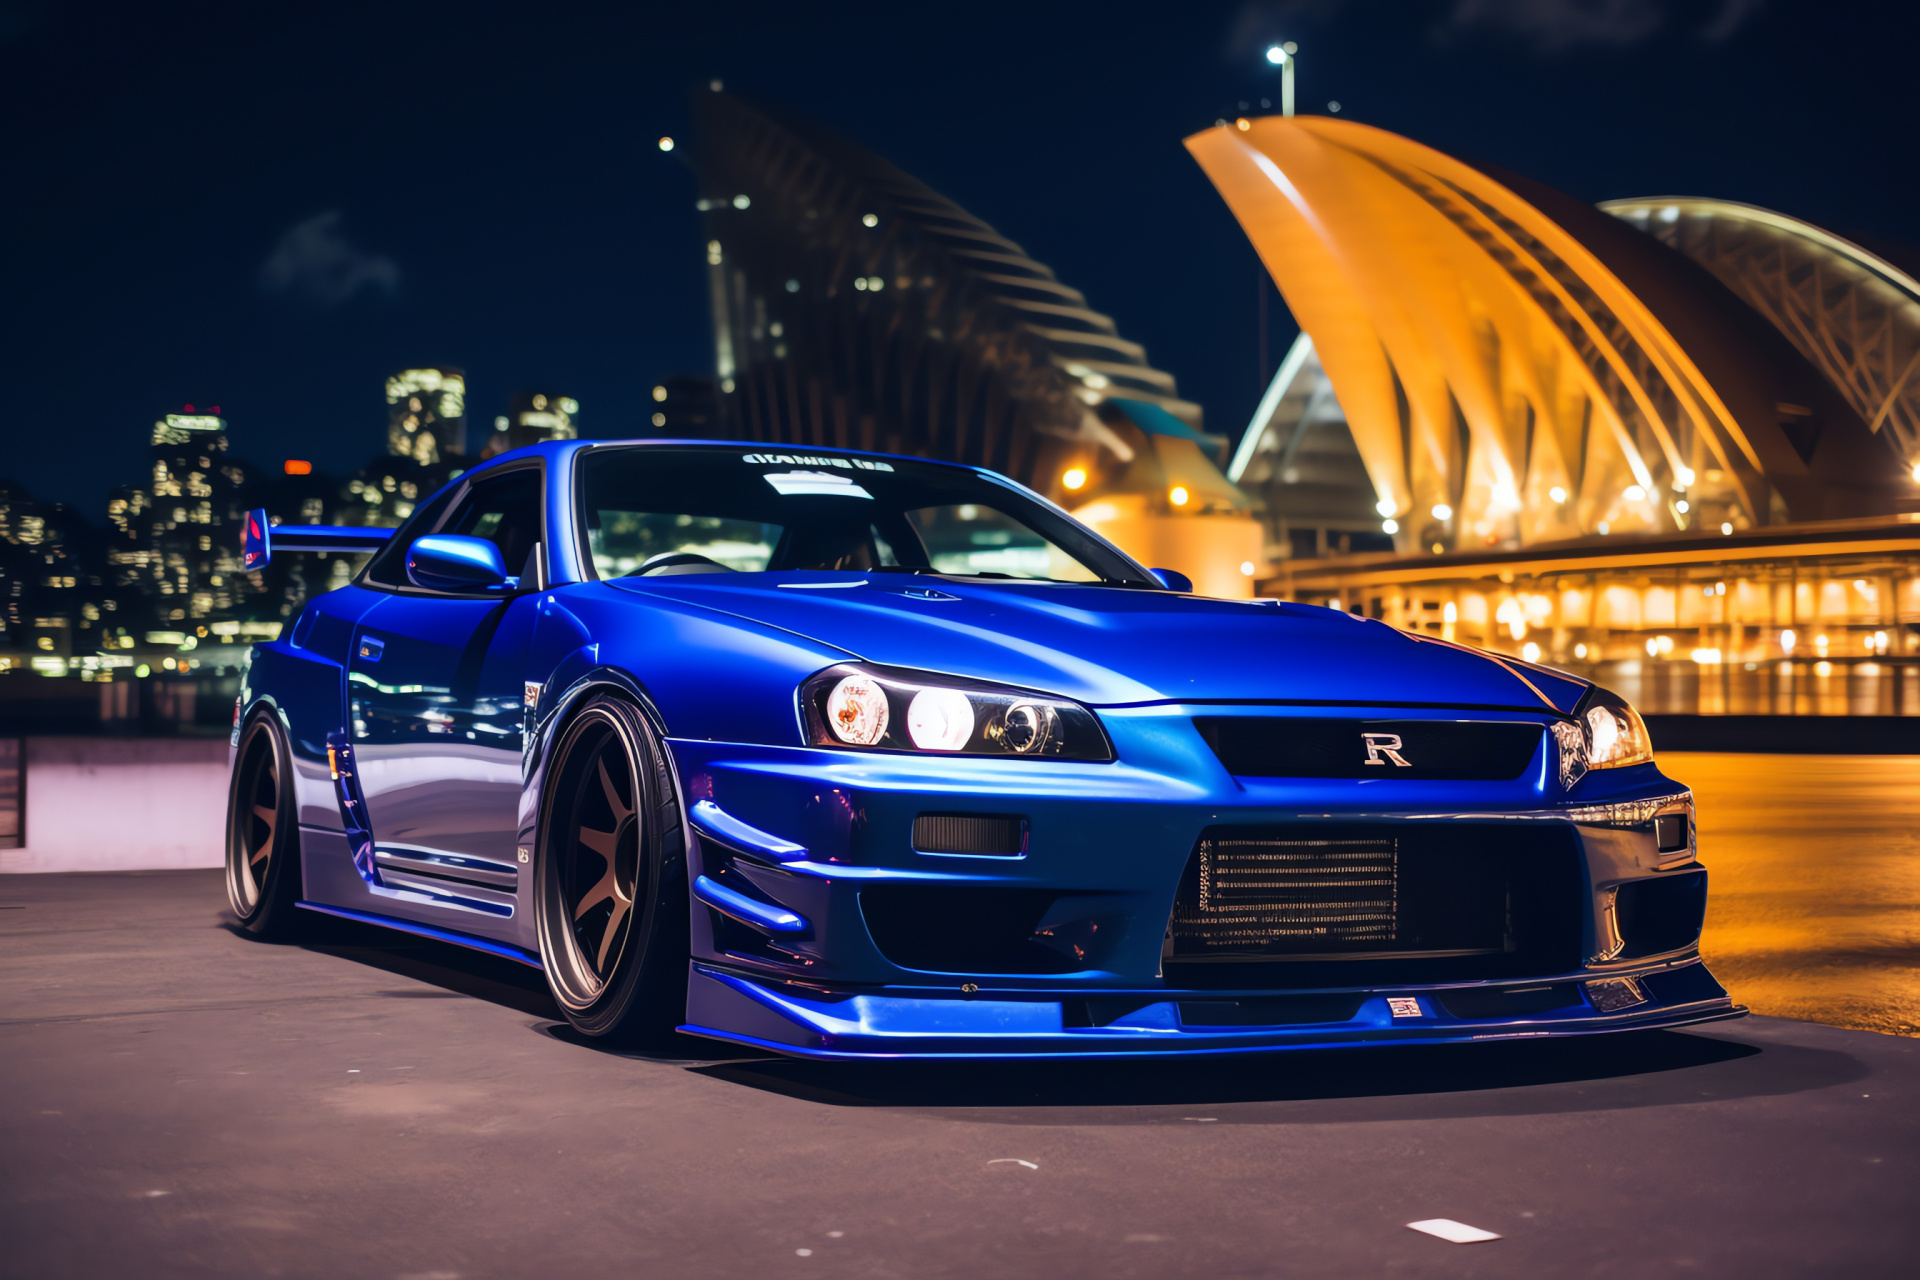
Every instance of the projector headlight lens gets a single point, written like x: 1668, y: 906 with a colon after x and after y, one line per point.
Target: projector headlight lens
x: 892, y: 710
x: 1027, y: 727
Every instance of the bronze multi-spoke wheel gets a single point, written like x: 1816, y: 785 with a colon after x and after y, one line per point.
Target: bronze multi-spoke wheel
x: 263, y: 848
x: 611, y: 891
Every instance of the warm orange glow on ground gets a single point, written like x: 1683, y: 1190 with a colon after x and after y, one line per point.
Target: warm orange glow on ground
x: 1813, y: 909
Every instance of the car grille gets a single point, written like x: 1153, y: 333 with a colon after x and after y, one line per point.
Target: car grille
x: 1253, y: 894
x: 1311, y: 747
x: 1324, y: 903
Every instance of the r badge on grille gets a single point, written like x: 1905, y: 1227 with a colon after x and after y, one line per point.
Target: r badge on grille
x: 1404, y: 1006
x: 1385, y: 744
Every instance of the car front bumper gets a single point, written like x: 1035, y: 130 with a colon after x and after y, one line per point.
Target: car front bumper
x: 796, y: 853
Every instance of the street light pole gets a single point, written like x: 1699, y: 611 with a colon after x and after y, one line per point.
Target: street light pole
x: 1281, y: 55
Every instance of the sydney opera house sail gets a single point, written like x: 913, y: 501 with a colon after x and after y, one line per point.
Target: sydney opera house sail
x: 1517, y: 367
x: 1850, y: 312
x: 855, y: 306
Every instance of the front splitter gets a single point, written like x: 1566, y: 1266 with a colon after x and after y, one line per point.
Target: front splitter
x: 726, y: 1006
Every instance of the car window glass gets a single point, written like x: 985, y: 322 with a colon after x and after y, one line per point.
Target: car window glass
x: 623, y: 541
x: 673, y: 510
x: 969, y: 537
x: 505, y: 510
x: 388, y: 568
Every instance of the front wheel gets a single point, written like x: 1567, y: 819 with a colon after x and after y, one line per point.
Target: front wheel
x: 263, y: 839
x: 610, y: 893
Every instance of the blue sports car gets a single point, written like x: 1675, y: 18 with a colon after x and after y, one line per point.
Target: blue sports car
x: 846, y: 755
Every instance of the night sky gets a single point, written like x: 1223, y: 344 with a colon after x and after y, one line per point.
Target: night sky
x: 269, y: 207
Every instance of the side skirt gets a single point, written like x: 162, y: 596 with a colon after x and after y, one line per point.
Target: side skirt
x: 502, y: 949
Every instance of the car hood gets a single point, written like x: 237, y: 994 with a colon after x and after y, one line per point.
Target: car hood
x: 1113, y: 646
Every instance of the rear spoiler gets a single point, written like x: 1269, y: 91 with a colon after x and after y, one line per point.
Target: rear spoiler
x: 259, y: 540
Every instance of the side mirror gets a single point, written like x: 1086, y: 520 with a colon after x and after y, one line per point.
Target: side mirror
x: 1173, y: 580
x: 450, y: 562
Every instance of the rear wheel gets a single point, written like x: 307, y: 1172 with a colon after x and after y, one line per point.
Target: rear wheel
x: 263, y: 842
x: 610, y: 898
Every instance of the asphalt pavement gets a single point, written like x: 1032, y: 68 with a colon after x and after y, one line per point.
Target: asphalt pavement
x: 177, y: 1099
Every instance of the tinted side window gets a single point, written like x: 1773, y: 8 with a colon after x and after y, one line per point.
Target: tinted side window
x: 388, y: 568
x: 504, y: 510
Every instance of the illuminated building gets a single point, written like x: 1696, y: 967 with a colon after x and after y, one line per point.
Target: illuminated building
x: 1671, y: 442
x: 427, y: 415
x: 383, y: 493
x: 1850, y: 312
x: 426, y: 447
x: 855, y: 306
x: 174, y: 540
x: 53, y: 601
x: 1789, y: 619
x: 1299, y: 457
x: 532, y: 417
x: 1493, y: 342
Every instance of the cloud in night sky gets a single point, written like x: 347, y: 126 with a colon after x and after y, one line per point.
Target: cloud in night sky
x: 316, y: 263
x: 1555, y: 25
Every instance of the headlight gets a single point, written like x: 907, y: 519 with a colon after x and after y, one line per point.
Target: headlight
x: 890, y: 710
x: 1615, y: 734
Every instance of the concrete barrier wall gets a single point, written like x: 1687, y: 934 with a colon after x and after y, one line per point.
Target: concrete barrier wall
x: 122, y: 804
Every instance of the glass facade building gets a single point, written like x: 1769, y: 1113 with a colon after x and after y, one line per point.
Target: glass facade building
x: 854, y: 306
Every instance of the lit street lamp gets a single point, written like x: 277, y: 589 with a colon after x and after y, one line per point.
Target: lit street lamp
x: 1281, y: 55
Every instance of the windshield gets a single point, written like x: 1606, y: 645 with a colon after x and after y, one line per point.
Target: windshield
x: 660, y: 511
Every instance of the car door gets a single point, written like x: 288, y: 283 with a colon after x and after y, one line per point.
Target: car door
x: 435, y: 684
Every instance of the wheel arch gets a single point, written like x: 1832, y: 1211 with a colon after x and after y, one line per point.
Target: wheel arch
x: 543, y: 742
x: 555, y: 713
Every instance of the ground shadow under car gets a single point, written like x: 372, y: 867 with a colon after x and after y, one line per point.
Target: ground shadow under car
x: 448, y: 971
x: 1586, y: 1073
x: 1517, y: 1077
x: 451, y: 972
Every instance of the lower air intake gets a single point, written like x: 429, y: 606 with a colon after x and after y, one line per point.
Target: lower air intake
x: 1296, y: 895
x: 993, y: 835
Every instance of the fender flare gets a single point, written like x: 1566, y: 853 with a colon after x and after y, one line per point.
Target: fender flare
x: 544, y: 726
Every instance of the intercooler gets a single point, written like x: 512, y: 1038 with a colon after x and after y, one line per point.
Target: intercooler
x: 1294, y: 904
x: 1252, y: 895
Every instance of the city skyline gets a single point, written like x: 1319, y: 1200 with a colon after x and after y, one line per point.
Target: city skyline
x: 302, y: 279
x: 150, y: 579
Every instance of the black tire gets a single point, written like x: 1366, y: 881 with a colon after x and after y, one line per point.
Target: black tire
x: 610, y: 897
x: 263, y: 832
